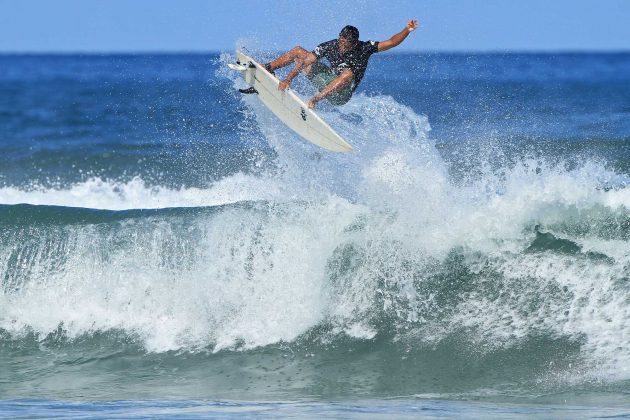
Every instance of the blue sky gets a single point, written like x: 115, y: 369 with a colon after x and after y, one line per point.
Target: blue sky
x: 197, y: 25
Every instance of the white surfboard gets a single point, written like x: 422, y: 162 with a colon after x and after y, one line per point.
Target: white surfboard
x: 287, y: 106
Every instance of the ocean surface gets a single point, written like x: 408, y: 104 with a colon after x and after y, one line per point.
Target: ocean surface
x: 168, y: 248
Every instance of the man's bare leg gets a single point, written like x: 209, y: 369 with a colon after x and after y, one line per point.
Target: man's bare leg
x: 293, y: 55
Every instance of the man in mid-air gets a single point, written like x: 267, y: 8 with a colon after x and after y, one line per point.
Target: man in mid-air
x: 348, y: 58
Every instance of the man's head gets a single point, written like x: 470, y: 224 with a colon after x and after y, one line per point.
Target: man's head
x: 348, y: 37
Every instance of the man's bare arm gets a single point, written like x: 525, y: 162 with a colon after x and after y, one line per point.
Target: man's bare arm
x: 340, y: 82
x: 399, y: 37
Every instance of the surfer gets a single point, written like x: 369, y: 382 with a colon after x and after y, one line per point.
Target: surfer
x: 348, y: 58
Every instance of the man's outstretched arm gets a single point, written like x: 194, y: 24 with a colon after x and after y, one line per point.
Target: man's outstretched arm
x: 399, y: 37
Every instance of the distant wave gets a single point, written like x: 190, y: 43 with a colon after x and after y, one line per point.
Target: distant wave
x: 96, y: 193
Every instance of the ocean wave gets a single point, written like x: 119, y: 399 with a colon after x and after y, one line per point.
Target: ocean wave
x: 376, y: 246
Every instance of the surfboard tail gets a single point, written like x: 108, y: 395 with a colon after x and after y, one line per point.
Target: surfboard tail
x: 237, y: 66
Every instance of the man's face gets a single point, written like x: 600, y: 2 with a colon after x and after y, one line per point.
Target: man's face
x: 345, y: 44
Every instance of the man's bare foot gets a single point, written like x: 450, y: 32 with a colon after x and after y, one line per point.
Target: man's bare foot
x: 267, y: 67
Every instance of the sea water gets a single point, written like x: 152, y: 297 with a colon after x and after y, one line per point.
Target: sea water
x: 168, y: 248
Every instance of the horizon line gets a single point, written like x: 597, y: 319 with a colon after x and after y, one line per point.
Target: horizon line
x: 400, y: 52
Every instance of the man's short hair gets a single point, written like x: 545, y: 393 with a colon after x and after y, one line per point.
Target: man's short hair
x: 350, y: 33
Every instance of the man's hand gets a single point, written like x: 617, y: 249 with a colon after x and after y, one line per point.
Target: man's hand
x: 395, y: 41
x: 284, y: 84
x: 412, y: 25
x: 313, y: 101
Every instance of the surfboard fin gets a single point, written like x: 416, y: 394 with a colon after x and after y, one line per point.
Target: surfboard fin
x: 250, y: 90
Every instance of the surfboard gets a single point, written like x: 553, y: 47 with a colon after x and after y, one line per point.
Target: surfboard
x: 288, y: 106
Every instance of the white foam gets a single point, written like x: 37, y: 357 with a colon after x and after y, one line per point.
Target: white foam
x: 97, y: 193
